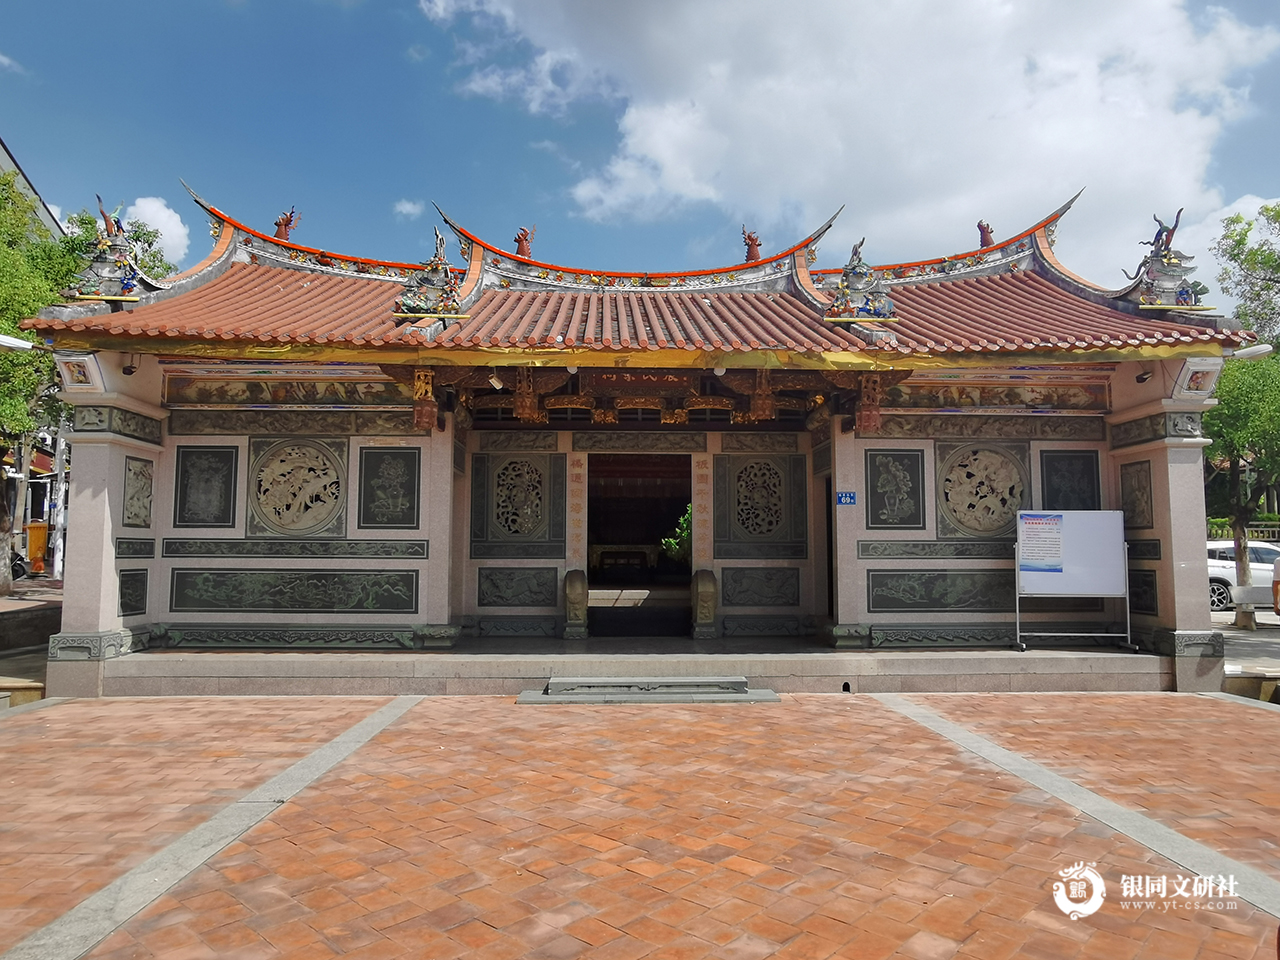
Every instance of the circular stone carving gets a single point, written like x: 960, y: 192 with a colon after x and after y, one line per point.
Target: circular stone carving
x: 297, y: 488
x: 517, y: 498
x: 759, y: 498
x: 982, y: 490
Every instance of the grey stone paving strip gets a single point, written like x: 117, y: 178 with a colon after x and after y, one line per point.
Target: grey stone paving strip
x: 1244, y: 701
x: 33, y: 705
x: 82, y: 927
x: 1253, y: 885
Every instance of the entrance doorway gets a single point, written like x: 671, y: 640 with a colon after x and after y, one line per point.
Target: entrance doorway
x: 639, y: 586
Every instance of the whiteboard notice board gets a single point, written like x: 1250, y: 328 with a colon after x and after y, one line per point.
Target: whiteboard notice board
x: 1071, y: 553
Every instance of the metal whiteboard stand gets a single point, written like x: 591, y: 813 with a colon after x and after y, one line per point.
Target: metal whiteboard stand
x: 1122, y: 639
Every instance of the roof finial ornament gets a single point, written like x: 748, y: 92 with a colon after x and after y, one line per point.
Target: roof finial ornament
x: 860, y: 292
x: 285, y: 223
x: 752, y: 243
x: 986, y: 236
x: 111, y: 220
x: 1162, y: 244
x: 524, y: 241
x: 439, y: 244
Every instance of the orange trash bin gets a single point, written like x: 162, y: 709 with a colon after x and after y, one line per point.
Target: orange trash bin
x: 37, y: 544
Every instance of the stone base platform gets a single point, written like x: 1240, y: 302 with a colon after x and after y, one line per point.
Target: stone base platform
x: 223, y: 673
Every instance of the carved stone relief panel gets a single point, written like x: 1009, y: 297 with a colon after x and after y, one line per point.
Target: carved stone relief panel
x: 944, y: 426
x: 389, y: 487
x: 760, y: 586
x: 134, y: 548
x: 760, y: 506
x: 138, y: 475
x: 544, y: 441
x: 939, y: 591
x: 133, y: 593
x: 518, y: 505
x: 758, y: 442
x: 297, y: 488
x: 1143, y: 598
x: 1069, y: 480
x: 294, y: 591
x: 640, y: 442
x: 1135, y: 495
x: 517, y: 587
x: 206, y: 487
x: 981, y: 488
x: 895, y: 489
x: 936, y: 549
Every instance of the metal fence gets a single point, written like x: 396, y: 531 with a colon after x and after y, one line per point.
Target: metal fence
x: 1269, y: 532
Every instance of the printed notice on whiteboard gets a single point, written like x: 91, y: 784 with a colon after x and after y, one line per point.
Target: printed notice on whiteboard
x: 1040, y: 542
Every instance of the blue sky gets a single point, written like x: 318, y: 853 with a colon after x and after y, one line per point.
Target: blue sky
x: 642, y: 136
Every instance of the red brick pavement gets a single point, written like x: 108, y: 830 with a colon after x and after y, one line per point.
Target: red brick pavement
x: 1208, y: 768
x: 91, y: 788
x: 827, y: 826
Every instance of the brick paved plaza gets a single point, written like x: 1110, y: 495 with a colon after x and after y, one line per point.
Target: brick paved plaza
x: 823, y: 826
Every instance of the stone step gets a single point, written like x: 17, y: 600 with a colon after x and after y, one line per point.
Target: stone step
x: 647, y: 690
x: 21, y: 691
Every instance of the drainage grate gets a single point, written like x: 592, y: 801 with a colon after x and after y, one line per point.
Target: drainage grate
x: 647, y: 690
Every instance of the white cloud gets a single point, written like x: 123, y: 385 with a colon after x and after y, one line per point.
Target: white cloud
x: 155, y: 212
x: 409, y: 209
x: 8, y: 63
x: 921, y: 116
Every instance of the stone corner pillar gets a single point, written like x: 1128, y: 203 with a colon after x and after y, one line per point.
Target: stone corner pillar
x: 1198, y: 658
x: 76, y: 660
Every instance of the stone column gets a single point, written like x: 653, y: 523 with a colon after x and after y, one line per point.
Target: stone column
x: 437, y: 629
x: 106, y: 493
x: 1157, y: 451
x: 846, y: 477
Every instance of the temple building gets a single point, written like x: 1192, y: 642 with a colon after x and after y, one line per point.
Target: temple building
x: 290, y: 448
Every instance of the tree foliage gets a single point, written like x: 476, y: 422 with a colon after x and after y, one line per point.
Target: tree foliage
x: 1251, y: 268
x: 1245, y: 431
x: 676, y: 545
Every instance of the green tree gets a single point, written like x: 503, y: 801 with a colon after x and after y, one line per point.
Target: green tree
x: 1251, y: 269
x: 676, y: 544
x: 1245, y: 430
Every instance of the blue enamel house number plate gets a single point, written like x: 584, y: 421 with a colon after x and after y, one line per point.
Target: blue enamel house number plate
x: 846, y: 499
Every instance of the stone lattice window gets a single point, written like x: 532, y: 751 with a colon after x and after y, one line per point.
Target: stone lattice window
x: 518, y: 498
x: 759, y: 496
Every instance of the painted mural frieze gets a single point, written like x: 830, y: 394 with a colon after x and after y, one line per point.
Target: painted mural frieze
x: 638, y: 442
x: 206, y: 487
x: 299, y: 423
x: 517, y: 587
x: 212, y: 392
x: 294, y: 591
x: 1135, y: 495
x: 758, y: 442
x: 138, y: 474
x: 534, y: 440
x: 760, y: 586
x: 935, y: 549
x: 895, y: 489
x: 961, y: 426
x: 981, y: 488
x: 407, y: 549
x: 759, y: 498
x: 1069, y: 480
x: 296, y: 488
x: 922, y: 393
x: 940, y: 591
x: 517, y: 498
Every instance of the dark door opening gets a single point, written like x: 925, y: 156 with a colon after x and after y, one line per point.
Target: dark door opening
x: 634, y: 502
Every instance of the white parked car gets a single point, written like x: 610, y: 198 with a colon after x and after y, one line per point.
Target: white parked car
x: 1222, y: 569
